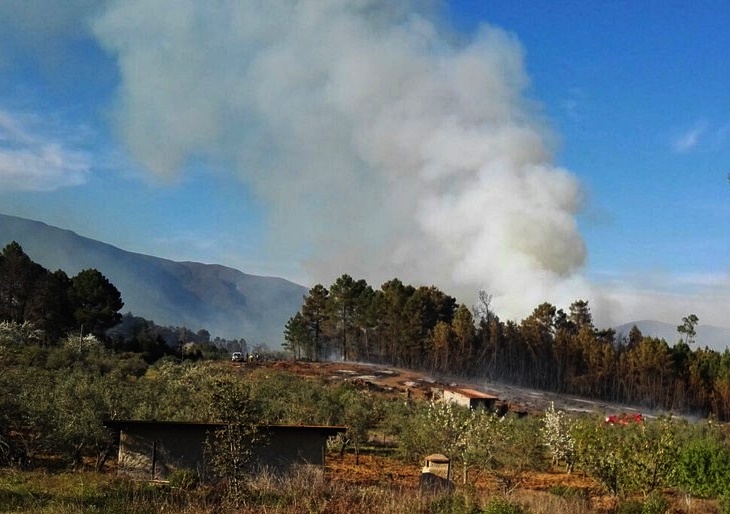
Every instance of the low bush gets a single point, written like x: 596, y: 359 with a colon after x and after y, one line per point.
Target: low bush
x: 503, y: 506
x: 184, y: 479
x: 656, y: 504
x: 630, y: 507
x: 703, y: 466
x: 453, y: 504
x: 725, y: 503
x: 570, y: 492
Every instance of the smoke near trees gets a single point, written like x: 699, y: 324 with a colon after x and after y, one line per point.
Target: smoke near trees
x: 414, y: 327
x: 367, y: 118
x: 550, y: 349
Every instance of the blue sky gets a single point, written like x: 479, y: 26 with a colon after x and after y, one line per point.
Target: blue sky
x: 537, y: 150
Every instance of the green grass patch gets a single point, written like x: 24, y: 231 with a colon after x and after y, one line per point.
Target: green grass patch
x: 570, y: 492
x: 67, y: 493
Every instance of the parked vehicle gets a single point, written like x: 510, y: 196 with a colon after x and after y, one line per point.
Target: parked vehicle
x: 236, y: 357
x: 624, y: 419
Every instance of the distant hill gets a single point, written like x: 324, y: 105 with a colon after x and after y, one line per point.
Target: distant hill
x: 225, y: 301
x: 715, y: 338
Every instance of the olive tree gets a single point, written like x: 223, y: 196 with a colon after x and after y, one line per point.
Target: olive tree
x: 637, y: 457
x: 486, y: 439
x: 360, y: 414
x: 231, y: 446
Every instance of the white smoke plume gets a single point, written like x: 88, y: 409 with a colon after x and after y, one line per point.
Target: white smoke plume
x: 382, y: 144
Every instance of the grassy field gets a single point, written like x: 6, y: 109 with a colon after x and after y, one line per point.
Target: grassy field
x: 379, y: 484
x: 513, y: 477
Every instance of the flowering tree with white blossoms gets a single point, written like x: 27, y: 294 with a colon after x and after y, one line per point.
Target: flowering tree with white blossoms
x: 82, y: 344
x: 451, y: 425
x: 474, y: 437
x: 487, y: 438
x: 557, y: 435
x: 12, y: 333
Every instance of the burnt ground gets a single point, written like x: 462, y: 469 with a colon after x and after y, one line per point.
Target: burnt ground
x: 396, y: 381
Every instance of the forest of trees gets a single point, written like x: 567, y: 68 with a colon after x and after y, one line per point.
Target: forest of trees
x: 399, y: 324
x: 53, y: 306
x: 553, y: 350
x: 69, y: 361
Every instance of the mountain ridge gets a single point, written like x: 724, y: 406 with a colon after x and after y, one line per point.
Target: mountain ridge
x: 225, y: 301
x: 715, y: 338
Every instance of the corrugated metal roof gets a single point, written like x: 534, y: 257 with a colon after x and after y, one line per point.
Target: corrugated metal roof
x: 121, y: 423
x: 473, y: 393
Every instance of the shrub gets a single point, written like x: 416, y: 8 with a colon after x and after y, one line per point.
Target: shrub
x: 703, y: 466
x: 631, y: 458
x: 655, y: 504
x: 502, y: 506
x: 521, y: 451
x: 184, y: 478
x: 630, y: 507
x: 725, y: 503
x: 230, y: 448
x: 452, y: 504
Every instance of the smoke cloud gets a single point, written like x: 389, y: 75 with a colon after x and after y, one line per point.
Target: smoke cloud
x: 32, y: 160
x: 382, y: 144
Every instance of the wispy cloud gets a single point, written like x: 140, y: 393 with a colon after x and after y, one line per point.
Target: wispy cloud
x: 33, y: 160
x: 689, y: 140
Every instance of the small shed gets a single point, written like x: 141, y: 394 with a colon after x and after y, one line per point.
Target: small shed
x: 152, y: 450
x: 437, y: 464
x: 435, y: 474
x: 470, y: 398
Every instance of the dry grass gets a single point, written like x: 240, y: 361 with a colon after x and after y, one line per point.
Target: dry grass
x: 341, y: 489
x: 379, y: 484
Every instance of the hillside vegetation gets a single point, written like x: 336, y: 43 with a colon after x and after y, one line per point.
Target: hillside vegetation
x: 57, y: 391
x: 227, y: 302
x: 551, y: 349
x: 54, y: 402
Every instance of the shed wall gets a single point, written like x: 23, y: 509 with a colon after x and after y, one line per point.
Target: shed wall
x: 154, y: 451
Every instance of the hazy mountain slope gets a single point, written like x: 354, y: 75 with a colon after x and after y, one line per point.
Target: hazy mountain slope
x: 716, y: 338
x: 223, y: 300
